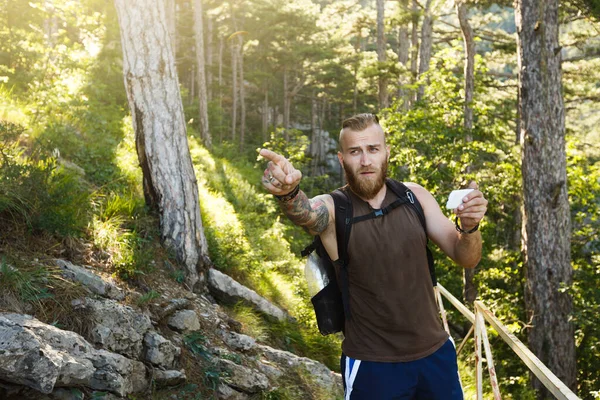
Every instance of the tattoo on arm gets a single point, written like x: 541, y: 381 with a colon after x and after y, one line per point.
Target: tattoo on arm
x: 312, y: 215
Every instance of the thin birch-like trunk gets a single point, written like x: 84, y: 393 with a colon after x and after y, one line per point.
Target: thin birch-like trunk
x: 426, y: 47
x: 202, y: 95
x: 381, y: 54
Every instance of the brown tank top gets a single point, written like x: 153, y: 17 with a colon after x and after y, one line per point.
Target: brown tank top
x: 392, y: 302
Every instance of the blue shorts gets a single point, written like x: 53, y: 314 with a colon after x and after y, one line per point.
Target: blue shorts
x: 434, y: 377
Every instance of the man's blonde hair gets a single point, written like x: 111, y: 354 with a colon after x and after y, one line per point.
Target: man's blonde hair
x: 359, y: 122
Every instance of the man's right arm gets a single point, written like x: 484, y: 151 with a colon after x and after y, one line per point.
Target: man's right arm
x: 281, y: 179
x: 314, y: 215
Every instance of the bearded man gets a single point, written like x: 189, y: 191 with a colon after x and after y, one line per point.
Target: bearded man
x: 394, y: 344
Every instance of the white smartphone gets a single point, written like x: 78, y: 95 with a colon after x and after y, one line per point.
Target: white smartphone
x: 455, y: 198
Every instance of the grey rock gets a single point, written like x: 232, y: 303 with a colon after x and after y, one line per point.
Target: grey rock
x: 168, y: 378
x: 238, y: 341
x: 227, y: 289
x: 243, y: 378
x: 224, y: 392
x: 160, y: 351
x: 90, y: 280
x: 321, y: 375
x: 117, y: 328
x: 43, y: 357
x: 184, y: 321
x: 269, y: 369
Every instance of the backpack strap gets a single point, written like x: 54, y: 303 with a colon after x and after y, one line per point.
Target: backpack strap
x: 402, y: 191
x: 343, y: 226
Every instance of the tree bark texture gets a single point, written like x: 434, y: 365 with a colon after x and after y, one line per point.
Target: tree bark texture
x: 403, y: 49
x: 234, y: 88
x: 546, y: 219
x: 209, y: 56
x: 286, y: 102
x: 242, y: 91
x: 202, y: 93
x: 160, y: 131
x: 381, y: 55
x: 467, y: 32
x: 171, y: 15
x: 470, y: 290
x: 426, y: 46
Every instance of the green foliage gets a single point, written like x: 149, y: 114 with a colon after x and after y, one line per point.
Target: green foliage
x: 147, y: 298
x: 37, y: 190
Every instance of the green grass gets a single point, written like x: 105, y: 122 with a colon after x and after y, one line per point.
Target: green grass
x: 249, y: 241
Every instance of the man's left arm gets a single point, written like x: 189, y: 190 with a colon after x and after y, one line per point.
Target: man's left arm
x: 463, y: 247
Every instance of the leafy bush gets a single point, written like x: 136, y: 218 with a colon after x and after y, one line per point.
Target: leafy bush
x: 35, y: 189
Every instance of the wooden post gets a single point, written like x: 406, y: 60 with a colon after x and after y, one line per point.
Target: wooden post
x: 478, y: 355
x: 488, y: 356
x: 438, y: 296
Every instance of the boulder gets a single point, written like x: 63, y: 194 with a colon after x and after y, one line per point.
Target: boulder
x: 93, y: 282
x: 243, y: 378
x: 224, y: 392
x: 116, y: 327
x: 184, y: 321
x: 43, y: 357
x: 321, y: 375
x: 160, y: 351
x: 238, y: 341
x: 168, y: 378
x: 228, y: 290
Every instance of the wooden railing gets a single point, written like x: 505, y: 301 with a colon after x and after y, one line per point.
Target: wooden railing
x: 478, y: 319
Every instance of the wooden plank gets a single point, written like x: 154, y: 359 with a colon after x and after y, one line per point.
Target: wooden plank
x: 549, y: 380
x: 464, y: 341
x: 488, y: 356
x: 478, y: 359
x: 440, y: 302
x: 456, y: 303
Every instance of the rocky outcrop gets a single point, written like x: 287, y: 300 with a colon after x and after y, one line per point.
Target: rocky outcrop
x: 320, y: 374
x: 228, y: 290
x: 91, y: 281
x: 244, y: 379
x: 184, y: 321
x: 127, y: 351
x: 159, y: 351
x: 116, y: 327
x: 41, y: 357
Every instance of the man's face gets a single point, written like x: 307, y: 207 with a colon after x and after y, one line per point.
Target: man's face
x: 364, y: 157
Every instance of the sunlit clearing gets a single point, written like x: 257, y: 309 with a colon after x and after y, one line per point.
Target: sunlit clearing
x: 126, y: 156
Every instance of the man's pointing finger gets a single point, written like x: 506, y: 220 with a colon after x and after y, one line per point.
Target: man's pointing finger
x: 271, y: 155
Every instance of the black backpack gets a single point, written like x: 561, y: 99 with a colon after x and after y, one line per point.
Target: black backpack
x: 332, y: 303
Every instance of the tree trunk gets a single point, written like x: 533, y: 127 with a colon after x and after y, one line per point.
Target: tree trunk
x: 209, y: 57
x: 265, y: 114
x: 414, y: 45
x: 192, y: 89
x: 171, y: 16
x: 470, y: 290
x: 242, y: 92
x: 381, y: 55
x: 467, y: 32
x: 313, y: 130
x: 286, y: 103
x: 425, y: 48
x: 202, y: 95
x: 159, y: 124
x: 546, y: 219
x: 403, y: 49
x: 234, y: 88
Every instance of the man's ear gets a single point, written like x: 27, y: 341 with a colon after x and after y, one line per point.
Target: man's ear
x: 340, y: 158
x: 388, y: 151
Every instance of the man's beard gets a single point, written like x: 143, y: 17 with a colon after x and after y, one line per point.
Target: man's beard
x: 363, y: 186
